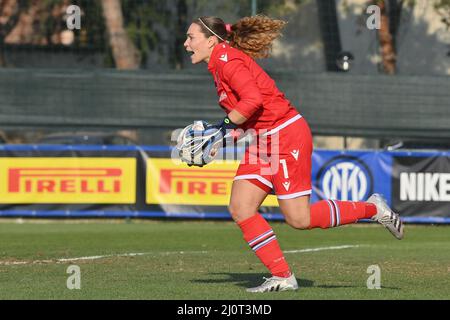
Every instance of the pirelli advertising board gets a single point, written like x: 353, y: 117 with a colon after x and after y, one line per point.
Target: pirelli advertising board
x: 169, y: 182
x: 67, y: 180
x: 144, y: 181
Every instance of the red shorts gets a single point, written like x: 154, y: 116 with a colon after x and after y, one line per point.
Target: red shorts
x: 280, y: 160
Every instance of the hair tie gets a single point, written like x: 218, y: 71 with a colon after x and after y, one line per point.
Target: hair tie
x: 228, y: 27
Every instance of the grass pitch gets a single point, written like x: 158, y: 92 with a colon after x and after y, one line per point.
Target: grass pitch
x: 210, y: 260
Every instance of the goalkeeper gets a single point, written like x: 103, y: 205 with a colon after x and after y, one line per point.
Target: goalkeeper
x: 252, y: 101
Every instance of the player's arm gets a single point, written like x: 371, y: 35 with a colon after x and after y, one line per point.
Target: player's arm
x: 239, y: 78
x: 242, y: 82
x: 236, y: 117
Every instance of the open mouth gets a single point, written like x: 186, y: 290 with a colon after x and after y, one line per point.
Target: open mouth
x: 191, y: 53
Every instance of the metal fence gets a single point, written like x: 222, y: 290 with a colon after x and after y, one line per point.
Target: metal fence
x: 333, y: 103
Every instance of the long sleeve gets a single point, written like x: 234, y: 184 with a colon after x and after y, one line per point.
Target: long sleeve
x: 241, y: 81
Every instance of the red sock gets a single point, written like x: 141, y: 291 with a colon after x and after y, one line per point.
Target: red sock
x: 261, y: 238
x: 333, y: 213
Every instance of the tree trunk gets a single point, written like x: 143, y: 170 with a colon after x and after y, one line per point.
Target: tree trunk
x: 388, y: 54
x: 125, y: 54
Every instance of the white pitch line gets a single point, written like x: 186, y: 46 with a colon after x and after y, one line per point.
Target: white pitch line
x: 129, y: 255
x: 322, y: 249
x: 62, y: 260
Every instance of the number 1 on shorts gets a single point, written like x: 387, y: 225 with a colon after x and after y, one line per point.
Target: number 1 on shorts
x: 285, y: 170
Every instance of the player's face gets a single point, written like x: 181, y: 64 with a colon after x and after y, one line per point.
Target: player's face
x: 198, y: 45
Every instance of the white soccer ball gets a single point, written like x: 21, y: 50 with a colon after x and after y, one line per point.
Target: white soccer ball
x: 191, y: 145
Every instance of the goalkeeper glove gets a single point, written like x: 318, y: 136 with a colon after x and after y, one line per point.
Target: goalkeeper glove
x: 214, y: 135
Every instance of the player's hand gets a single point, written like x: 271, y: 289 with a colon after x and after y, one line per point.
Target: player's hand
x: 206, y: 142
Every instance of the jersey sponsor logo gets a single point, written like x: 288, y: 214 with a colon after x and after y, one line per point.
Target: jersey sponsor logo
x: 67, y: 180
x: 344, y: 178
x: 171, y: 183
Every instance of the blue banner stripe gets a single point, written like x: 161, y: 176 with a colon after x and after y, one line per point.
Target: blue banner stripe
x: 161, y: 214
x: 124, y: 214
x: 25, y: 147
x: 43, y: 147
x: 165, y: 148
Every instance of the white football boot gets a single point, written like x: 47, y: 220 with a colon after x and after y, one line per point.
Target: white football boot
x: 386, y: 216
x: 276, y: 284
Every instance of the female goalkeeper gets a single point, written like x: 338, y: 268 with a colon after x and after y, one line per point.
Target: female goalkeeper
x: 252, y: 101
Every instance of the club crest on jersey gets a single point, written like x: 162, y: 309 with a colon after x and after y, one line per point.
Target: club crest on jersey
x: 224, y: 57
x: 295, y: 154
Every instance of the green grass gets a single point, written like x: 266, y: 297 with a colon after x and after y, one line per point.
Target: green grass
x: 216, y: 263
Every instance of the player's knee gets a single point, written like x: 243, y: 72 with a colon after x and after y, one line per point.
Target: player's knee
x: 298, y: 223
x: 239, y: 212
x: 233, y: 211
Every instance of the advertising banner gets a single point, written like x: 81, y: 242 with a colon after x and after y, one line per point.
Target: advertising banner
x: 352, y: 176
x: 143, y: 181
x: 169, y: 182
x: 67, y: 180
x: 421, y: 184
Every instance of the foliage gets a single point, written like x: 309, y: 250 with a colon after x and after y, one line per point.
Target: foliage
x: 155, y: 26
x: 443, y: 9
x: 50, y: 20
x: 141, y: 19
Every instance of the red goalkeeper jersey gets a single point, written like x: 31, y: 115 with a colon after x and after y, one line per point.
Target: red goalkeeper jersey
x: 244, y: 86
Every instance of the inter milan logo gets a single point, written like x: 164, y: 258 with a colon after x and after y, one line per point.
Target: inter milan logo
x: 344, y: 178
